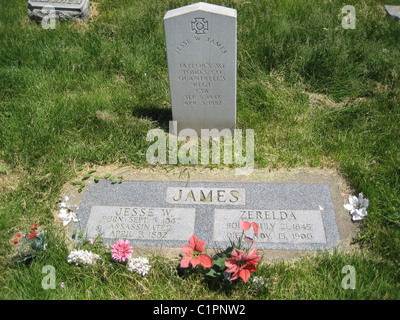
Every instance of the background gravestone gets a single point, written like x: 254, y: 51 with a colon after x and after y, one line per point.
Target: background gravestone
x: 393, y: 11
x: 201, y: 53
x: 64, y: 9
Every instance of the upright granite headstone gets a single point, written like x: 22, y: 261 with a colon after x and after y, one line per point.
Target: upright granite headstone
x: 64, y: 9
x: 201, y: 53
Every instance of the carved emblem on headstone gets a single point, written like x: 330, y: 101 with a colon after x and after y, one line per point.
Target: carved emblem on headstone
x: 199, y: 26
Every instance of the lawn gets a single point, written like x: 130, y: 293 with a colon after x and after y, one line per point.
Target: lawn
x: 86, y: 94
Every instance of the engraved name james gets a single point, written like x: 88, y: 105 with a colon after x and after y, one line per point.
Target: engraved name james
x: 212, y: 196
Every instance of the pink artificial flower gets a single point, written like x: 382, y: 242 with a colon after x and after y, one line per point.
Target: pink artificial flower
x: 121, y: 251
x: 241, y: 265
x: 255, y: 227
x: 62, y: 285
x: 193, y: 254
x: 245, y: 225
x: 249, y: 240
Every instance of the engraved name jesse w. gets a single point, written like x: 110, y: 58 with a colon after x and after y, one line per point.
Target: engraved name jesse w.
x: 210, y: 41
x: 143, y: 223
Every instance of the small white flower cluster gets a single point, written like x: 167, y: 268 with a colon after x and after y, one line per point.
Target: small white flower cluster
x: 357, y: 207
x: 82, y: 257
x: 261, y: 281
x: 140, y: 265
x: 67, y: 212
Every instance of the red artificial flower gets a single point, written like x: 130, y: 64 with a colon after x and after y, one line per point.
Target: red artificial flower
x: 32, y: 235
x: 16, y: 240
x: 255, y: 227
x: 34, y: 226
x: 241, y: 265
x: 19, y: 235
x: 245, y: 225
x: 193, y: 254
x: 249, y: 240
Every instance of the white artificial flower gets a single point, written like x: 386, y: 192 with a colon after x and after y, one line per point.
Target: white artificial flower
x: 67, y: 212
x: 140, y: 265
x: 357, y: 207
x: 82, y: 257
x: 259, y: 282
x: 67, y: 218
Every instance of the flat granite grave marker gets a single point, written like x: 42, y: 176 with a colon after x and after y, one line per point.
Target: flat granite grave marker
x: 291, y: 216
x: 201, y: 53
x: 64, y: 9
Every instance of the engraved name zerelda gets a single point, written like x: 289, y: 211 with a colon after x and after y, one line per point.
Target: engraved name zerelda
x: 267, y: 215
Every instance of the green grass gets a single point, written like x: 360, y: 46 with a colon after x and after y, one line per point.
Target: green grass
x: 315, y: 94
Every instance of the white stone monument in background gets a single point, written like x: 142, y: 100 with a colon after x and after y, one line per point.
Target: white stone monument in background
x: 201, y: 52
x: 59, y: 9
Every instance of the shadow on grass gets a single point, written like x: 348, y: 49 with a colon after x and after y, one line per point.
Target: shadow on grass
x: 218, y: 286
x: 161, y: 115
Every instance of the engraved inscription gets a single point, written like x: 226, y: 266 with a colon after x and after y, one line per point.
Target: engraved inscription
x: 201, y: 78
x: 275, y: 226
x: 182, y: 45
x: 145, y: 223
x: 208, y: 41
x: 217, y: 44
x: 213, y: 196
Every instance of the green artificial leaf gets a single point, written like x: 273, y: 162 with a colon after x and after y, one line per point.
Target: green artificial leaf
x: 91, y: 171
x: 81, y: 187
x: 220, y: 263
x: 86, y: 176
x: 77, y: 183
x: 211, y: 273
x: 98, y: 240
x: 96, y: 179
x: 107, y: 176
